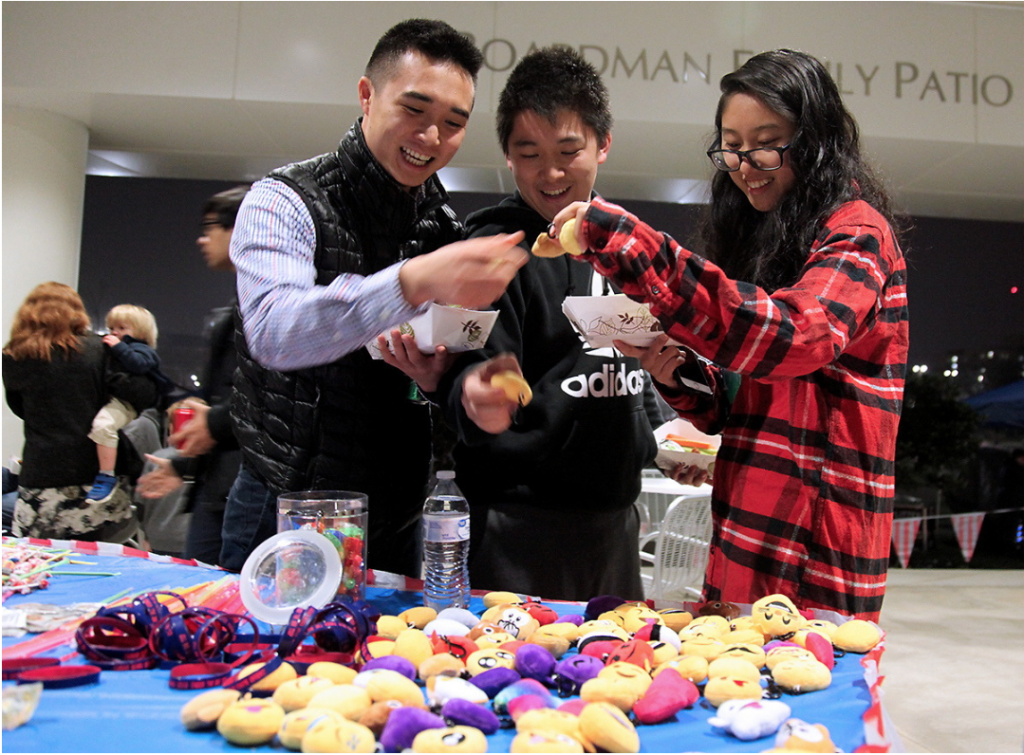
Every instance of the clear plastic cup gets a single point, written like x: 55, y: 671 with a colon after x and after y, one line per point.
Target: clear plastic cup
x: 342, y: 517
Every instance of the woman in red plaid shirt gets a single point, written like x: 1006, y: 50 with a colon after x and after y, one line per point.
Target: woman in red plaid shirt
x: 799, y: 329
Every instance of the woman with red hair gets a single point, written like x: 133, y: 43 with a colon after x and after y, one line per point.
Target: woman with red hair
x: 57, y: 374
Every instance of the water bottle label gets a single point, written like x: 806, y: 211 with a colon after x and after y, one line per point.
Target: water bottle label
x: 446, y: 529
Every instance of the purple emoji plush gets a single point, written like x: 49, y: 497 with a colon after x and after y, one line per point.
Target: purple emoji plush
x: 458, y: 712
x: 403, y: 666
x: 535, y: 662
x: 495, y: 680
x: 571, y: 672
x: 404, y: 724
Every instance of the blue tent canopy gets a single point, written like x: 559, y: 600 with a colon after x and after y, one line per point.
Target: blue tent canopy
x: 1001, y: 406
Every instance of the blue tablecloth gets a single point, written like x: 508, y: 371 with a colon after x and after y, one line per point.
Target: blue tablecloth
x: 136, y: 711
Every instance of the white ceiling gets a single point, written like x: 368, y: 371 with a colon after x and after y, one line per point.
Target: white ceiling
x: 190, y: 90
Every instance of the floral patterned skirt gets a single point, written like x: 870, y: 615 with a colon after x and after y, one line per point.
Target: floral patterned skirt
x: 63, y: 514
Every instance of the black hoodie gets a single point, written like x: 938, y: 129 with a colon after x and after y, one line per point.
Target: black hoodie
x: 582, y: 442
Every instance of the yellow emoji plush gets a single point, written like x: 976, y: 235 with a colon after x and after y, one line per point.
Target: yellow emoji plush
x: 691, y: 667
x: 296, y: 693
x: 543, y: 740
x: 856, y: 636
x: 777, y: 616
x: 450, y: 739
x: 251, y: 721
x: 273, y: 680
x: 496, y: 598
x: 390, y: 627
x: 802, y: 675
x: 331, y: 735
x: 489, y: 658
x: 203, y: 710
x: 722, y: 688
x: 418, y: 616
x: 608, y: 728
x: 298, y: 722
x: 348, y: 699
x: 334, y: 671
x: 413, y: 645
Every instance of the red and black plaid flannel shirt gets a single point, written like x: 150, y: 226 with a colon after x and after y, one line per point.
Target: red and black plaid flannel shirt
x: 803, y: 483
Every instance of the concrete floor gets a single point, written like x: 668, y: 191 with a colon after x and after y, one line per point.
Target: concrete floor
x: 954, y: 659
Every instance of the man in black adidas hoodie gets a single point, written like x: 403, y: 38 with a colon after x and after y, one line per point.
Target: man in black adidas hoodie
x: 551, y: 485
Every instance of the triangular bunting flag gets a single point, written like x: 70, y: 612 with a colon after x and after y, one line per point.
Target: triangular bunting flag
x: 904, y: 533
x: 967, y: 527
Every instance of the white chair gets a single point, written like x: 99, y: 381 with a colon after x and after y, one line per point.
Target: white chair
x: 680, y: 550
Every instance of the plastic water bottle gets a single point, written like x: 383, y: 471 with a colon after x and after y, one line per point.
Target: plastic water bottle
x: 446, y: 545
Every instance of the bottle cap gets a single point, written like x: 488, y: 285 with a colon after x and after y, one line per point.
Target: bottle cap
x: 446, y: 474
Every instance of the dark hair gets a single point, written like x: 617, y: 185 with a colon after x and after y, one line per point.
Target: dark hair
x: 225, y: 204
x: 435, y: 40
x: 770, y: 248
x: 550, y: 80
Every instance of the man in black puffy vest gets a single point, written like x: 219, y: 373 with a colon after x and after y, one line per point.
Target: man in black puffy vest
x: 332, y: 251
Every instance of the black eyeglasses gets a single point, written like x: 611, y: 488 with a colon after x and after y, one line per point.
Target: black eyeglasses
x: 762, y: 158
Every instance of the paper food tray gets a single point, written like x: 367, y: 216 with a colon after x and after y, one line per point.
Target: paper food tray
x: 455, y: 328
x: 667, y: 458
x: 603, y: 319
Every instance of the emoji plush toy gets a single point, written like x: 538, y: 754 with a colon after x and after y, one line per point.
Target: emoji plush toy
x: 298, y: 722
x: 250, y: 721
x: 203, y: 710
x: 800, y: 736
x: 332, y: 735
x: 856, y: 636
x: 450, y: 739
x: 666, y: 696
x: 802, y: 675
x: 750, y: 719
x: 777, y: 616
x: 608, y: 728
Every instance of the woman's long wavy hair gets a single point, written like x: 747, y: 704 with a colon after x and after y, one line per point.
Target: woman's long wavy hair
x: 770, y: 248
x: 52, y: 315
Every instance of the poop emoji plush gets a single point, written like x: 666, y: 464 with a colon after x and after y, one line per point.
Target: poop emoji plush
x: 750, y: 719
x: 203, y: 710
x: 777, y: 616
x: 250, y: 721
x: 856, y: 636
x: 450, y: 739
x: 799, y: 736
x: 377, y: 715
x: 332, y: 735
x: 719, y: 608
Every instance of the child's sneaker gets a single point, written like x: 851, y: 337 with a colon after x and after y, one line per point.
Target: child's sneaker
x: 103, y: 488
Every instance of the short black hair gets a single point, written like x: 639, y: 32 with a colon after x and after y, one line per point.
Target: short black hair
x: 435, y: 40
x: 550, y: 80
x: 225, y: 204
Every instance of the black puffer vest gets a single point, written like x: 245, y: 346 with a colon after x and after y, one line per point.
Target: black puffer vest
x: 348, y: 425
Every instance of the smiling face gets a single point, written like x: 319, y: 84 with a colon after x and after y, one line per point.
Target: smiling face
x: 554, y: 164
x: 414, y: 121
x: 747, y: 123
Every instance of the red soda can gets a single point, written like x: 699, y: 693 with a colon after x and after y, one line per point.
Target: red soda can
x: 181, y: 417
